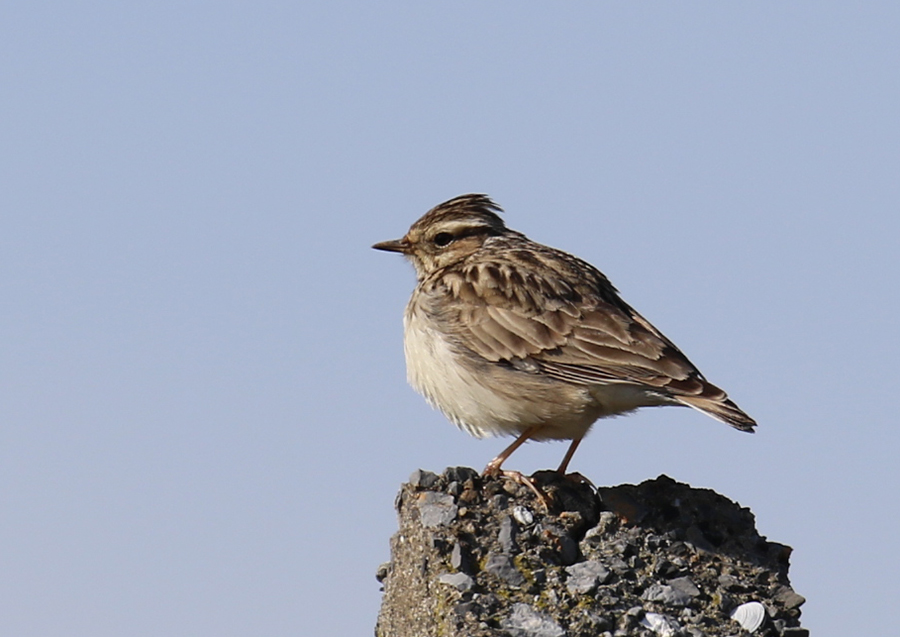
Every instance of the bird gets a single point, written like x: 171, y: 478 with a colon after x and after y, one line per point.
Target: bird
x: 507, y: 336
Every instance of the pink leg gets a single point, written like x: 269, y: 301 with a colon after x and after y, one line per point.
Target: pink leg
x: 493, y: 467
x: 568, y: 458
x: 574, y: 477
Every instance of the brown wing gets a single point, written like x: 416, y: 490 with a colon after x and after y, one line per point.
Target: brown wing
x: 579, y: 333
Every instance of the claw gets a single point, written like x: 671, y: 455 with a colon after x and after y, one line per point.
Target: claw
x: 519, y: 478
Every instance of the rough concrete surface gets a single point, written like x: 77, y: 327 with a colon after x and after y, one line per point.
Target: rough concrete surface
x: 478, y: 557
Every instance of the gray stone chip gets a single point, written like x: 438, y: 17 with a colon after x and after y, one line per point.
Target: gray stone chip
x: 456, y: 556
x: 789, y: 598
x: 507, y: 536
x: 423, y: 479
x: 584, y: 577
x: 502, y: 566
x: 685, y: 585
x: 666, y: 594
x: 436, y: 509
x: 459, y: 581
x: 524, y: 621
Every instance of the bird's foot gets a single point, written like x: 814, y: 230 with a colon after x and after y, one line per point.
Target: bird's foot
x: 516, y: 476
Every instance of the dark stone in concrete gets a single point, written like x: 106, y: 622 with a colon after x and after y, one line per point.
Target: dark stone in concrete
x: 503, y: 567
x: 423, y: 479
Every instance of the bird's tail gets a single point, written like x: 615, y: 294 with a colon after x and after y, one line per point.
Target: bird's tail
x: 714, y: 402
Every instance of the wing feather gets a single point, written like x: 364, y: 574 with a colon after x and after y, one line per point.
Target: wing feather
x: 536, y: 333
x: 580, y: 336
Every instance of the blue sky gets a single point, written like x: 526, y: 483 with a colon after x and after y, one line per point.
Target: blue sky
x: 203, y: 410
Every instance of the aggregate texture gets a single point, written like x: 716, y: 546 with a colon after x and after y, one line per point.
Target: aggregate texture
x: 482, y: 557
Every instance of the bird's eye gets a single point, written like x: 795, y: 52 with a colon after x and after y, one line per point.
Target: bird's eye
x: 442, y: 239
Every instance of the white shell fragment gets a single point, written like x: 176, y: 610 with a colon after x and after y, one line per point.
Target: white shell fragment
x: 750, y: 615
x: 523, y: 516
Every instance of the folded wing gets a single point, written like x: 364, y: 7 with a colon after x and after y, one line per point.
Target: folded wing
x: 581, y: 336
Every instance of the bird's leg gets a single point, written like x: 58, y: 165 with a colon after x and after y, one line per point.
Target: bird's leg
x: 493, y: 467
x: 568, y: 457
x: 575, y: 477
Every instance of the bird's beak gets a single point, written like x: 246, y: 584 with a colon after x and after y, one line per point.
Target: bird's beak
x: 395, y: 245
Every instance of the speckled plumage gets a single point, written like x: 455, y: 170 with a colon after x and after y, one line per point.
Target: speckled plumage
x: 510, y: 337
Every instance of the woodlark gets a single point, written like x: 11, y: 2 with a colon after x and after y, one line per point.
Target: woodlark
x: 510, y: 337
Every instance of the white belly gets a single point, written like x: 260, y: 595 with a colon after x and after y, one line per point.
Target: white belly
x: 485, y: 399
x: 432, y: 370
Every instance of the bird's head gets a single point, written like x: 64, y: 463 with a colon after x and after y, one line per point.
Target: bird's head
x: 448, y: 233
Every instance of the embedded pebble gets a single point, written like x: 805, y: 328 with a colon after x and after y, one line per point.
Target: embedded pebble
x: 502, y: 566
x: 456, y: 556
x: 459, y: 474
x: 685, y: 585
x: 459, y: 581
x: 423, y: 479
x: 436, y: 509
x: 507, y: 535
x: 524, y: 621
x: 666, y: 594
x: 789, y: 598
x: 584, y: 577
